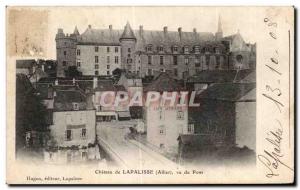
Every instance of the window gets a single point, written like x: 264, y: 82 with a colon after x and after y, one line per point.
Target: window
x: 96, y: 48
x: 186, y: 50
x: 107, y: 72
x: 180, y: 115
x: 149, y: 59
x: 197, y: 49
x: 78, y: 52
x: 68, y: 134
x: 75, y: 106
x: 175, y: 72
x: 65, y: 53
x: 175, y: 49
x: 116, y: 49
x: 64, y: 63
x: 96, y: 66
x: 107, y: 49
x: 78, y: 64
x: 129, y: 60
x: 129, y: 55
x: 83, y: 133
x: 190, y: 128
x: 161, y: 129
x: 149, y: 48
x: 150, y: 72
x: 107, y: 66
x: 197, y: 61
x: 161, y: 60
x: 116, y: 59
x: 186, y: 60
x: 96, y: 59
x: 96, y: 72
x: 160, y: 48
x: 129, y: 50
x: 84, y: 155
x: 175, y: 60
x: 107, y: 59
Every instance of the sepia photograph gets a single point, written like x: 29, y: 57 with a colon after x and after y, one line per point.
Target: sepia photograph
x: 152, y: 95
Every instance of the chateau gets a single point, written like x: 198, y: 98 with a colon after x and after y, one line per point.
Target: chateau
x: 148, y: 52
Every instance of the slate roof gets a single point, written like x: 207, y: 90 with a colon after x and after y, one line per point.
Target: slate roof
x: 25, y: 63
x: 144, y: 37
x: 105, y: 85
x: 127, y: 33
x: 227, y: 91
x: 69, y: 96
x: 220, y: 76
x: 164, y: 82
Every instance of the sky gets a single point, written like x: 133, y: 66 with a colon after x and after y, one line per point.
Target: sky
x: 40, y: 24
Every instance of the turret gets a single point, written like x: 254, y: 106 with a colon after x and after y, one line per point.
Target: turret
x: 219, y: 33
x: 128, y: 41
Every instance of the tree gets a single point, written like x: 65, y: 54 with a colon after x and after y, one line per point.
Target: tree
x: 30, y: 112
x: 73, y: 72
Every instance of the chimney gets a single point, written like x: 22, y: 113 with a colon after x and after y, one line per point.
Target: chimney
x: 110, y: 27
x: 73, y: 81
x: 180, y: 32
x: 141, y: 30
x: 43, y: 67
x: 90, y: 26
x: 165, y: 29
x: 60, y: 31
x: 194, y: 30
x: 56, y: 82
x: 95, y: 82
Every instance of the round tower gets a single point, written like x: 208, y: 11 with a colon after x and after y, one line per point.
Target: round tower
x: 128, y: 42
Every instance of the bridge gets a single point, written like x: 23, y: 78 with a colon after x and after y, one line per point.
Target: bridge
x: 129, y: 153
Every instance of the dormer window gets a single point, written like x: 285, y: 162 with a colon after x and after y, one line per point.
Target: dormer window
x: 149, y: 48
x: 196, y: 49
x: 160, y: 48
x: 75, y: 106
x: 175, y: 48
x: 186, y: 50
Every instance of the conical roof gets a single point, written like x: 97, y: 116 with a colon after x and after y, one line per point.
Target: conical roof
x: 76, y: 32
x: 128, y: 33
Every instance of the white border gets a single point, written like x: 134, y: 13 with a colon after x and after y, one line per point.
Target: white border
x: 3, y: 84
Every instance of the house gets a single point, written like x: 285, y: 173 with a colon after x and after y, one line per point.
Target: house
x: 72, y: 131
x: 164, y: 123
x: 132, y: 84
x: 227, y: 113
x: 25, y: 66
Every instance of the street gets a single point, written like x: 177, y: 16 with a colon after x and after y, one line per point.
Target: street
x: 130, y: 152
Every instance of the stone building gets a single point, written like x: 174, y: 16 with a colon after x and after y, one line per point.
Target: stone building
x: 144, y: 52
x: 164, y: 123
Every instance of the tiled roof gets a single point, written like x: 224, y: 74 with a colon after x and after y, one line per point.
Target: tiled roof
x: 164, y: 83
x: 227, y: 91
x: 220, y: 76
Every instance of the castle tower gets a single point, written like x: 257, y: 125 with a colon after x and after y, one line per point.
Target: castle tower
x: 128, y: 41
x: 65, y: 51
x: 219, y: 33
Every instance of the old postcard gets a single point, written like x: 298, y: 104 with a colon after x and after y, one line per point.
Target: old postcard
x: 150, y: 95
